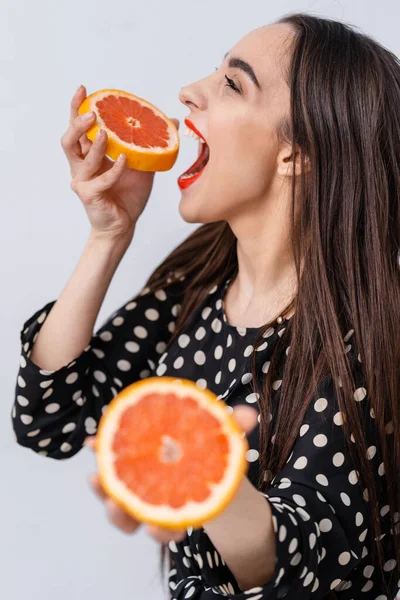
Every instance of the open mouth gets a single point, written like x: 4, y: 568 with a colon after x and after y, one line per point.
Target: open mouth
x: 194, y: 172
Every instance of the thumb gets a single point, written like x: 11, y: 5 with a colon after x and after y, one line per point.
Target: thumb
x: 175, y: 122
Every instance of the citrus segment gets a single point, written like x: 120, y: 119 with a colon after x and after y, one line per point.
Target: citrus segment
x: 135, y: 127
x: 170, y: 453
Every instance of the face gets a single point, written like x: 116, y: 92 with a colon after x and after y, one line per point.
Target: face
x: 244, y: 169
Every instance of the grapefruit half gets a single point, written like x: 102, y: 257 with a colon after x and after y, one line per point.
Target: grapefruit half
x: 135, y: 127
x: 170, y: 453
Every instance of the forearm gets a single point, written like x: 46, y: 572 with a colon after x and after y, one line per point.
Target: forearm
x: 68, y: 328
x: 244, y: 536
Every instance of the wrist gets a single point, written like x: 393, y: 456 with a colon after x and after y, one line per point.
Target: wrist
x: 113, y: 240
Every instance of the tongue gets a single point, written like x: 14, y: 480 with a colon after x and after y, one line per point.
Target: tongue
x: 201, y: 161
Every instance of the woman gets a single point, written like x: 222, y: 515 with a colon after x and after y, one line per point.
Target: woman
x: 285, y: 303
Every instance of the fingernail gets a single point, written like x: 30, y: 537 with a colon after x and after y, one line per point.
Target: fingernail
x: 79, y: 89
x: 87, y: 116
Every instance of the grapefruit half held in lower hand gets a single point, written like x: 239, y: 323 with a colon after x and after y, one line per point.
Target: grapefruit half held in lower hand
x: 170, y: 453
x: 135, y: 127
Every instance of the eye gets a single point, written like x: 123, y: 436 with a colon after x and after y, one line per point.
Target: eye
x: 230, y: 83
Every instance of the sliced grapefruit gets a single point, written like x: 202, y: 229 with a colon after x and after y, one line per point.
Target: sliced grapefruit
x: 135, y: 127
x: 171, y: 454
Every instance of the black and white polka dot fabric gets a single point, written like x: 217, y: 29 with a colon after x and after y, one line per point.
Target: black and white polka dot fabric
x: 320, y: 516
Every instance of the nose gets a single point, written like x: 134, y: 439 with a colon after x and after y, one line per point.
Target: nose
x: 194, y: 95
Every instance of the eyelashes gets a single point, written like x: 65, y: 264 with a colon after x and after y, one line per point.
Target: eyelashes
x: 230, y: 83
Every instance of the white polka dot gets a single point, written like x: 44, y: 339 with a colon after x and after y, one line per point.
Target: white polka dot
x: 344, y: 558
x: 367, y: 586
x: 367, y: 572
x: 21, y: 381
x: 282, y: 533
x: 325, y: 525
x: 371, y: 451
x: 303, y: 514
x: 300, y: 463
x: 265, y: 366
x: 299, y: 499
x: 22, y: 401
x: 100, y: 376
x: 320, y: 440
x: 152, y: 314
x: 385, y: 509
x: 201, y: 383
x: 322, y: 480
x: 360, y: 394
x: 363, y: 535
x: 199, y: 357
x: 140, y: 332
x: 253, y: 397
x: 229, y: 340
x: 320, y: 404
x: 218, y: 352
x: 390, y: 565
x: 69, y: 427
x: 46, y: 384
x: 183, y: 340
x: 106, y: 336
x: 65, y: 447
x: 303, y: 429
x: 205, y: 312
x: 77, y: 395
x: 381, y: 469
x: 335, y: 583
x: 52, y: 408
x: 72, y: 377
x: 33, y: 433
x: 218, y: 377
x: 296, y: 559
x: 293, y: 545
x: 216, y: 325
x: 338, y: 418
x: 308, y: 579
x: 232, y: 365
x: 345, y: 498
x: 44, y: 443
x: 48, y: 393
x: 132, y: 347
x: 252, y: 455
x: 276, y: 384
x: 124, y: 365
x: 353, y: 477
x: 312, y: 538
x: 338, y: 459
x: 246, y: 378
x: 161, y: 369
x: 248, y: 350
x: 178, y: 363
x: 118, y: 321
x: 190, y: 592
x: 359, y: 519
x: 200, y: 333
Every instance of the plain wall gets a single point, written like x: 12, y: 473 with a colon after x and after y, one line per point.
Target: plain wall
x: 55, y: 541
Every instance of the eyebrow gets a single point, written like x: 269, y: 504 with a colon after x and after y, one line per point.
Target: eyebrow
x: 237, y: 63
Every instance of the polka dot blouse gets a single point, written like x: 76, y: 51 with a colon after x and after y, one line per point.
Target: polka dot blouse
x: 320, y: 516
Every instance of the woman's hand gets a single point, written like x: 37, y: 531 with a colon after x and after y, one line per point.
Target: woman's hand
x: 113, y: 195
x: 245, y: 416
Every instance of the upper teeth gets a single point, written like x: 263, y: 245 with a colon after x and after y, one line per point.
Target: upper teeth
x: 192, y: 134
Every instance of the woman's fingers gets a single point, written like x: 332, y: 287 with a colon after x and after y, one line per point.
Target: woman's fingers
x: 118, y: 517
x: 163, y: 536
x: 90, y: 442
x: 70, y: 140
x: 94, y: 158
x: 245, y: 417
x: 77, y: 99
x: 97, y: 487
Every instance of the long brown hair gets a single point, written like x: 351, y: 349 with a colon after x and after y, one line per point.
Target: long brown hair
x: 344, y: 117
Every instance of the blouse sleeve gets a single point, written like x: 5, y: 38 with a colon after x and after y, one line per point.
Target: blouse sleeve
x: 320, y: 515
x: 54, y: 411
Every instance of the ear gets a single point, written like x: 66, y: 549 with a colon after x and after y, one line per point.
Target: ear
x: 289, y: 161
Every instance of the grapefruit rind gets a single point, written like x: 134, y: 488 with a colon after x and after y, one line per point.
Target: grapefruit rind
x: 192, y: 513
x: 142, y: 159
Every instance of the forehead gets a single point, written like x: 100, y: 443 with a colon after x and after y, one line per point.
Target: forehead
x: 267, y: 50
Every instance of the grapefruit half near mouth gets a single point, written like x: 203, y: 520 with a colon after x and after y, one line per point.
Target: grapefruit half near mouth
x: 170, y: 453
x: 134, y: 126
